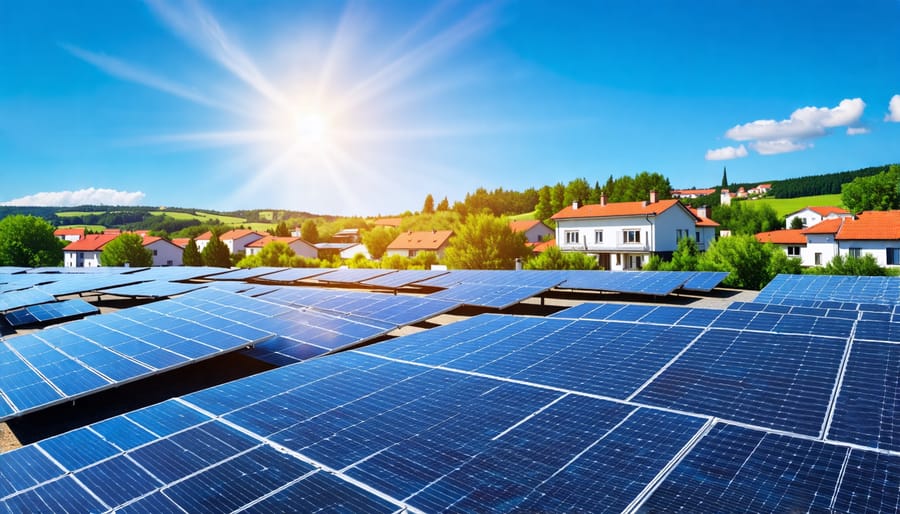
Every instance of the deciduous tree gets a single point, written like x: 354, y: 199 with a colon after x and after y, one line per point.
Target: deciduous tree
x: 485, y: 242
x: 309, y: 232
x: 378, y: 239
x: 555, y: 259
x: 751, y: 264
x: 126, y: 249
x: 29, y: 241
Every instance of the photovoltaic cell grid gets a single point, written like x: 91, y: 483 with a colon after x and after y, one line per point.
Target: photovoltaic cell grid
x: 74, y: 284
x: 393, y: 428
x: 69, y: 361
x: 704, y: 280
x: 153, y: 289
x: 656, y: 283
x: 817, y: 288
x: 17, y: 299
x: 294, y: 274
x: 826, y: 310
x: 403, y: 278
x: 50, y: 312
x: 247, y: 273
x: 352, y: 275
x: 177, y: 273
x: 488, y: 295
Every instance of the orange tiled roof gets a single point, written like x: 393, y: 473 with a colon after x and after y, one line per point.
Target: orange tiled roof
x: 181, y: 241
x: 69, y: 232
x: 702, y: 222
x: 523, y: 225
x: 826, y: 210
x: 259, y: 243
x: 829, y: 226
x: 90, y: 243
x: 237, y: 234
x: 782, y: 237
x: 871, y: 225
x: 424, y: 240
x: 615, y: 209
x: 698, y: 192
x: 206, y: 236
x: 542, y: 246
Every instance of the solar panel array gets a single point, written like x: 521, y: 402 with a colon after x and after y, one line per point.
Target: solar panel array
x: 11, y: 300
x: 831, y: 288
x: 50, y: 312
x: 492, y: 288
x: 292, y: 275
x: 153, y: 289
x: 403, y: 278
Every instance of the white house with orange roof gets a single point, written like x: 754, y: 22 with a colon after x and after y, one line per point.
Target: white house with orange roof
x: 792, y: 241
x: 165, y: 252
x: 236, y: 240
x: 535, y: 230
x: 760, y: 190
x: 410, y: 244
x: 623, y: 235
x: 692, y: 193
x: 299, y: 246
x: 69, y: 234
x: 875, y: 233
x: 85, y: 253
x: 810, y: 216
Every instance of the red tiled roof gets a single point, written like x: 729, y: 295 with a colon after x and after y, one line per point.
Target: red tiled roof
x: 523, y: 225
x: 206, y: 236
x: 698, y: 192
x: 702, y: 222
x: 782, y: 237
x: 764, y: 186
x: 259, y: 243
x: 112, y: 231
x: 829, y: 226
x: 69, y: 232
x: 90, y: 243
x: 237, y: 234
x: 181, y: 241
x: 871, y: 225
x: 425, y: 240
x: 542, y: 246
x: 615, y: 209
x: 826, y: 210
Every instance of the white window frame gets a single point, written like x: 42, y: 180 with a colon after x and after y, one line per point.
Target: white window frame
x: 631, y: 236
x: 572, y: 236
x: 598, y: 237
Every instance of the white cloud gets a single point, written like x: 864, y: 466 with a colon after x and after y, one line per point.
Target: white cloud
x: 893, y: 109
x: 726, y: 153
x: 770, y: 137
x: 856, y: 131
x: 89, y: 196
x: 779, y: 146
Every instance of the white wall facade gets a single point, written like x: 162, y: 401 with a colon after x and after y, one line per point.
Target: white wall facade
x: 166, y: 253
x: 536, y: 233
x: 878, y: 249
x: 820, y: 249
x: 626, y: 242
x: 75, y: 259
x: 350, y: 252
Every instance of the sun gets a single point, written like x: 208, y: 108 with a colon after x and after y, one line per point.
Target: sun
x: 311, y: 130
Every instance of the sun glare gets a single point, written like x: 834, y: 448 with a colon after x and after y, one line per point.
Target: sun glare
x: 311, y: 129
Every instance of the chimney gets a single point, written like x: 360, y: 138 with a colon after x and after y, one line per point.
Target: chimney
x: 652, y: 196
x: 575, y: 205
x: 603, y: 199
x: 703, y: 211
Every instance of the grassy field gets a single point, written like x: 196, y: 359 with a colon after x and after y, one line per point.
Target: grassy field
x: 71, y: 214
x: 92, y: 228
x: 789, y: 205
x: 525, y: 216
x: 202, y: 216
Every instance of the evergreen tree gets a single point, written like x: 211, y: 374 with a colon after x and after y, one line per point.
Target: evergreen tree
x: 443, y: 205
x: 309, y: 232
x: 282, y: 230
x: 594, y: 197
x: 216, y: 253
x: 428, y: 208
x: 191, y: 255
x: 544, y: 207
x: 558, y: 197
x: 724, y: 177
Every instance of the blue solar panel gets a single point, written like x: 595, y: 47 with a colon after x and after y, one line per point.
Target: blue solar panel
x: 704, y: 280
x: 73, y: 284
x: 154, y: 289
x: 656, y: 283
x: 247, y: 273
x: 17, y: 299
x: 294, y: 274
x: 833, y: 288
x: 869, y: 483
x: 404, y: 277
x: 867, y: 407
x: 769, y: 380
x: 488, y: 295
x: 735, y: 468
x: 50, y: 312
x: 353, y: 275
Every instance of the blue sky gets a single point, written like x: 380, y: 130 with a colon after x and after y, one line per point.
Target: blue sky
x: 365, y: 107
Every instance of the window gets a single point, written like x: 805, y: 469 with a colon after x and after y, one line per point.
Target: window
x: 680, y: 233
x: 793, y: 251
x: 632, y: 236
x: 698, y: 236
x: 818, y: 258
x: 636, y: 261
x: 598, y: 236
x: 154, y: 253
x: 855, y: 252
x: 571, y: 236
x: 893, y: 256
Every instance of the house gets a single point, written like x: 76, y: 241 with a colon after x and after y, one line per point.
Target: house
x: 236, y: 240
x: 623, y: 235
x: 875, y: 233
x: 792, y: 241
x: 409, y: 244
x: 181, y: 241
x: 85, y: 253
x: 535, y: 230
x: 539, y: 248
x: 165, y: 252
x: 692, y: 193
x: 760, y: 190
x: 69, y: 234
x: 810, y: 216
x: 348, y: 235
x: 299, y: 246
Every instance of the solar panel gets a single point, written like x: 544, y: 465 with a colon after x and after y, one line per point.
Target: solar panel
x: 16, y: 299
x: 768, y: 380
x: 50, y: 312
x: 488, y: 295
x: 867, y: 407
x: 704, y: 280
x: 403, y: 278
x: 353, y: 275
x: 74, y: 284
x: 247, y: 273
x: 178, y: 273
x: 153, y: 289
x: 294, y: 274
x: 656, y: 283
x: 835, y: 288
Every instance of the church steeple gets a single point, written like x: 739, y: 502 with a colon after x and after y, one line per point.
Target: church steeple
x: 724, y: 177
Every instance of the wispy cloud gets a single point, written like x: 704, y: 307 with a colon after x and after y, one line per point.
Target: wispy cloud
x: 893, y: 110
x: 89, y: 196
x: 856, y: 131
x: 769, y: 137
x: 726, y: 153
x: 126, y: 71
